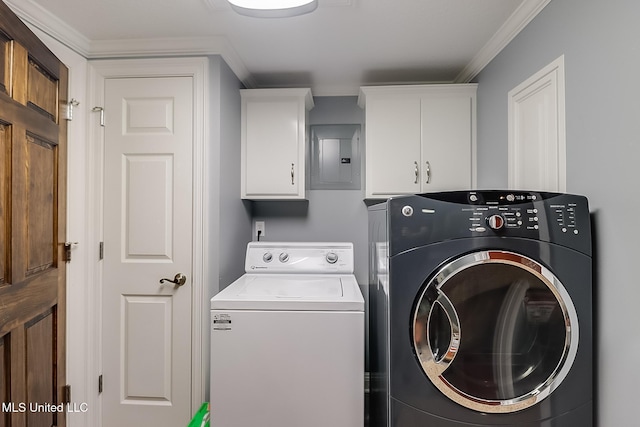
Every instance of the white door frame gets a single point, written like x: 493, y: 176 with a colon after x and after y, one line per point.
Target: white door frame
x: 99, y: 71
x: 550, y: 79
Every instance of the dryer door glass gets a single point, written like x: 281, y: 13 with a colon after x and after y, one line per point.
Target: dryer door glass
x: 495, y: 331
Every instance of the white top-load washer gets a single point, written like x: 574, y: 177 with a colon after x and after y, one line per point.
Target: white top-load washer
x: 287, y: 340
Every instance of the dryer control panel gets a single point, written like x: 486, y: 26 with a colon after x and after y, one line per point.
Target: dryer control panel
x: 482, y: 218
x: 552, y: 217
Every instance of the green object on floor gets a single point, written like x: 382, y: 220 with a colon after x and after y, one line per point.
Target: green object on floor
x: 201, y: 419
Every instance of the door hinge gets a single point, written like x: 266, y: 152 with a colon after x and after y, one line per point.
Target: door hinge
x: 67, y: 252
x: 66, y: 256
x: 100, y: 384
x: 101, y: 250
x: 67, y: 109
x: 66, y: 394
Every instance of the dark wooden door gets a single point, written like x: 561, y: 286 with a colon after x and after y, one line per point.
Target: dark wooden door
x: 33, y: 83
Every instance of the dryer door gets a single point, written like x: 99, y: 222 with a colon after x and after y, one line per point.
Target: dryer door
x: 495, y: 331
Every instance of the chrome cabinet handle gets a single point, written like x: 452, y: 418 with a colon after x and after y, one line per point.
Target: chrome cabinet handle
x: 416, y: 171
x: 428, y: 172
x: 179, y: 280
x: 292, y: 174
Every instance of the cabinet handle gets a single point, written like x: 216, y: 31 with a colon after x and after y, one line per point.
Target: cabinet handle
x: 292, y: 174
x: 428, y: 172
x: 417, y: 172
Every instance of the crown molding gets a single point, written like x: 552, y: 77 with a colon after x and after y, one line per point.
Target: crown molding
x: 519, y: 19
x: 36, y: 16
x: 163, y: 47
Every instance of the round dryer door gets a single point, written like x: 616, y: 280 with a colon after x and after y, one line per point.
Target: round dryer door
x: 495, y: 331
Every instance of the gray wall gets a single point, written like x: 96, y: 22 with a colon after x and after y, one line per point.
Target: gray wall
x: 600, y: 43
x: 229, y: 226
x: 234, y: 215
x: 329, y: 215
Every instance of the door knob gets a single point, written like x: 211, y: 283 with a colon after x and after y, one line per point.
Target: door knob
x: 178, y: 280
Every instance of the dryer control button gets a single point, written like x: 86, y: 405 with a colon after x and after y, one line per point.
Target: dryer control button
x: 267, y: 257
x: 495, y: 222
x: 284, y: 257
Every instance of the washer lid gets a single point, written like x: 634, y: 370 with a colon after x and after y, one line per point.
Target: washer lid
x: 291, y: 292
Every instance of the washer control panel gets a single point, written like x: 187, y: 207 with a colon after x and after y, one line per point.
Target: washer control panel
x: 283, y: 257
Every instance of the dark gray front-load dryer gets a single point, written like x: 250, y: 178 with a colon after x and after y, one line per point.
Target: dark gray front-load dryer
x: 481, y: 310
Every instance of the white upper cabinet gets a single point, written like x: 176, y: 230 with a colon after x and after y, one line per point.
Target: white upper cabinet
x: 274, y: 139
x: 419, y: 138
x: 393, y: 134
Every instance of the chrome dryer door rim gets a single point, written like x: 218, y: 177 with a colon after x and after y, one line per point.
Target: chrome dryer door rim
x: 436, y: 361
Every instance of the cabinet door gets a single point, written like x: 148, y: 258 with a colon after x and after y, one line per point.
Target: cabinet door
x: 393, y: 146
x: 446, y: 143
x: 272, y: 167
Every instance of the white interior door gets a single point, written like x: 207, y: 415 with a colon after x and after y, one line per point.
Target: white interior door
x: 146, y: 325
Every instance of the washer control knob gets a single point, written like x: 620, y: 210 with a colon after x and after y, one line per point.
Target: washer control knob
x: 332, y: 257
x: 267, y: 257
x: 284, y: 257
x: 495, y: 222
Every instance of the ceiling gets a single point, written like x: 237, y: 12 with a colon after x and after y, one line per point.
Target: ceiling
x: 339, y: 47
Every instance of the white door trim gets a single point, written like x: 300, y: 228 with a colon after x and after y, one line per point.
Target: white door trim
x: 197, y: 68
x: 550, y: 77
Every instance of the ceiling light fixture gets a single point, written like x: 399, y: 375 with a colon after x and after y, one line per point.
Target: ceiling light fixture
x: 273, y: 8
